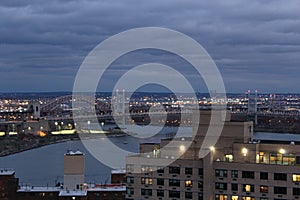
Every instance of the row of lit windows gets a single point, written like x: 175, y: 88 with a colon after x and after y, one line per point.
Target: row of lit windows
x: 160, y: 170
x: 262, y: 188
x: 251, y: 175
x: 161, y: 193
x: 161, y: 182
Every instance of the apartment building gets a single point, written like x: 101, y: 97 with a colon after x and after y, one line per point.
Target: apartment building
x: 236, y: 167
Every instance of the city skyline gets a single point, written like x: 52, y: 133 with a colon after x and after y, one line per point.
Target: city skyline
x: 254, y: 44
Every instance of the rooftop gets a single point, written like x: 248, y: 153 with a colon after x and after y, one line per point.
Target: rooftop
x: 6, y: 172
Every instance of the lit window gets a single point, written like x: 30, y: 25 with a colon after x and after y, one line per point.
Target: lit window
x: 228, y: 157
x: 234, y: 197
x: 146, y: 181
x: 263, y: 189
x: 248, y: 188
x: 188, y: 183
x: 296, y: 177
x: 221, y: 197
x: 244, y: 151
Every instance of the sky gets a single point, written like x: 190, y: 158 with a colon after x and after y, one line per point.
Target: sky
x: 255, y: 44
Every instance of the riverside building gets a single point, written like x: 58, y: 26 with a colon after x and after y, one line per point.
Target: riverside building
x: 237, y: 167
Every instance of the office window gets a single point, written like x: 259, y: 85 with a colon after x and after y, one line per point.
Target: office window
x: 188, y: 183
x: 147, y: 192
x: 200, y: 184
x: 234, y: 187
x: 174, y: 182
x: 264, y: 189
x: 280, y: 176
x: 221, y: 186
x: 146, y: 181
x: 129, y: 179
x: 160, y: 193
x: 280, y: 190
x: 296, y: 177
x: 264, y: 175
x: 174, y: 170
x: 221, y: 197
x: 174, y: 194
x: 296, y: 191
x: 129, y: 191
x: 160, y: 181
x: 248, y: 174
x: 188, y: 171
x: 248, y: 188
x: 221, y: 173
x: 234, y: 173
x: 188, y: 195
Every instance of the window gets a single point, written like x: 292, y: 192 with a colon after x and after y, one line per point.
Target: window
x: 160, y: 181
x: 200, y: 184
x: 221, y: 197
x: 129, y: 179
x: 147, y: 192
x: 248, y: 174
x: 200, y: 171
x: 160, y: 170
x: 248, y: 198
x: 221, y: 173
x: 234, y: 187
x: 146, y: 181
x: 200, y: 196
x: 228, y: 157
x: 264, y: 175
x: 234, y: 197
x: 234, y: 173
x: 296, y: 177
x: 174, y: 194
x: 160, y: 193
x: 129, y: 191
x: 280, y: 177
x: 174, y: 182
x: 221, y: 186
x: 261, y: 157
x: 248, y: 188
x: 146, y: 168
x: 280, y: 190
x: 129, y: 168
x: 263, y: 189
x: 189, y: 195
x: 296, y: 191
x: 188, y: 183
x: 174, y: 170
x: 188, y: 171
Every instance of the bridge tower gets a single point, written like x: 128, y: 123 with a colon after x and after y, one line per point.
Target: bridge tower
x: 252, y: 105
x: 35, y: 108
x: 119, y: 106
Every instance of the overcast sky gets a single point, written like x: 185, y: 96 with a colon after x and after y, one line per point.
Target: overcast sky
x: 255, y: 44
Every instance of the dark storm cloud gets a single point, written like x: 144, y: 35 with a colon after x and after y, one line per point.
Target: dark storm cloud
x: 254, y: 43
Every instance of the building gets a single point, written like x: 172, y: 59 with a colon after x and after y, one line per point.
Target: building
x: 74, y: 187
x: 237, y: 167
x: 8, y: 184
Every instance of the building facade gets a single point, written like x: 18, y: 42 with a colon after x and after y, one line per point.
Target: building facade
x: 236, y: 167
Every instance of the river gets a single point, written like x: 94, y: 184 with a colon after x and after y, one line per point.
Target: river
x: 44, y: 166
